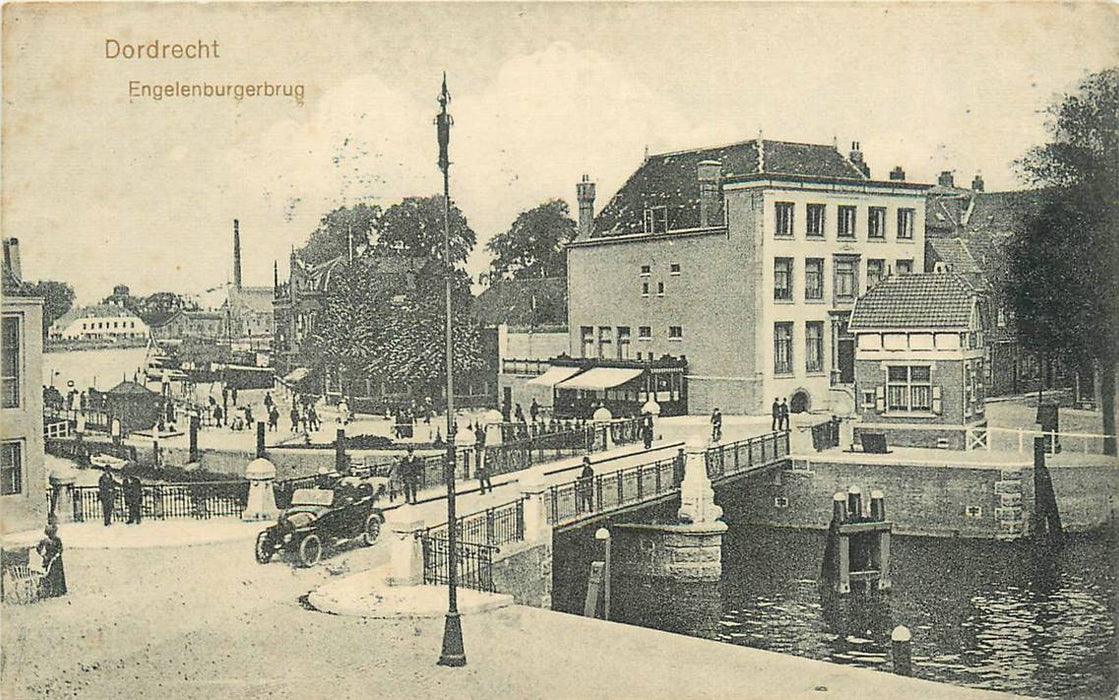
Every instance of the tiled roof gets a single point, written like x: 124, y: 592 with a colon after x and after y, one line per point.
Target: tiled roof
x: 930, y: 300
x: 94, y: 311
x: 259, y: 299
x: 531, y: 302
x: 669, y: 179
x: 954, y: 253
x: 321, y: 275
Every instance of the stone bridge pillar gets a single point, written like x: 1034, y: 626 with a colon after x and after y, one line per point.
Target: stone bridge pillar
x: 603, y: 418
x: 538, y: 532
x: 406, y: 557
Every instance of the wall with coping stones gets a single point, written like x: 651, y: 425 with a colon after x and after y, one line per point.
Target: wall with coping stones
x: 928, y: 500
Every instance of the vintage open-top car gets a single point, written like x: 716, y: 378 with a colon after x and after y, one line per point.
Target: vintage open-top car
x: 321, y: 517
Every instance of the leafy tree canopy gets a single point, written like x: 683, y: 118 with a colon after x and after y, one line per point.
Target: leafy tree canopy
x: 58, y: 298
x: 534, y: 245
x: 156, y: 308
x: 337, y: 229
x: 415, y: 227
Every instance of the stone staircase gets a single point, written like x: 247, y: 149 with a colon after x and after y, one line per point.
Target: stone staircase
x: 1010, y: 513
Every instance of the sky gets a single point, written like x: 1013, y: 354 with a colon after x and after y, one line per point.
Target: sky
x: 103, y: 189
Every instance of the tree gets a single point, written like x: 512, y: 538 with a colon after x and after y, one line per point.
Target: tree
x: 58, y: 298
x: 338, y: 230
x: 415, y: 227
x: 389, y: 327
x: 1065, y: 262
x: 156, y: 308
x: 534, y: 245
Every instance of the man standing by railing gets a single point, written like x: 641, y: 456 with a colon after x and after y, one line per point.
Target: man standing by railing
x: 409, y: 469
x: 106, y: 490
x: 584, y: 488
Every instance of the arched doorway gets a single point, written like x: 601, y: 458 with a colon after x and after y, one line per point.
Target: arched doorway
x: 800, y: 402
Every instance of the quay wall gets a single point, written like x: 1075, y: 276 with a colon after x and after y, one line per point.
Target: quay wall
x: 978, y: 501
x: 525, y: 572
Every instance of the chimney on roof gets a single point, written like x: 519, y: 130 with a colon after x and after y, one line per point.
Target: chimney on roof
x: 945, y: 179
x: 236, y: 254
x: 977, y: 183
x: 710, y: 176
x: 275, y: 275
x: 11, y: 258
x: 584, y: 192
x: 897, y: 174
x: 856, y: 157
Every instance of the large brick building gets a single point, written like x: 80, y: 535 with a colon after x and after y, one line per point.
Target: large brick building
x: 746, y: 260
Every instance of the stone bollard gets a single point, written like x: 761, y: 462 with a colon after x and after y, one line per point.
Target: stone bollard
x: 602, y: 419
x: 261, y: 503
x: 697, y: 497
x: 900, y: 652
x: 406, y: 557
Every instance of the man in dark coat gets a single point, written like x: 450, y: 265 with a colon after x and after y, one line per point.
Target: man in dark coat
x: 647, y: 430
x: 106, y: 490
x: 133, y: 498
x: 409, y: 474
x: 585, y: 487
x: 775, y: 409
x: 783, y: 423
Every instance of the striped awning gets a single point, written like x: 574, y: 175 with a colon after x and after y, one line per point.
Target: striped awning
x: 553, y: 376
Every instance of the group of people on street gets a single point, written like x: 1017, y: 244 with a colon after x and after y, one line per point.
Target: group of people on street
x: 131, y: 489
x: 780, y: 411
x: 304, y: 417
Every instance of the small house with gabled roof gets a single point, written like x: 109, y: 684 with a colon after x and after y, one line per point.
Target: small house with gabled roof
x: 919, y: 355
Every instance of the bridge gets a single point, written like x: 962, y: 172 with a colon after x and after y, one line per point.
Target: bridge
x: 565, y: 504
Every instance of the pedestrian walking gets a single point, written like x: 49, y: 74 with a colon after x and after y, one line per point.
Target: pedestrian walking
x: 268, y: 402
x: 313, y: 417
x: 716, y: 425
x: 133, y: 498
x: 233, y: 395
x: 784, y: 423
x: 775, y: 410
x: 534, y: 410
x: 219, y: 416
x: 481, y: 466
x: 53, y: 583
x: 409, y: 474
x: 585, y: 487
x: 647, y: 430
x: 107, y: 491
x: 273, y: 417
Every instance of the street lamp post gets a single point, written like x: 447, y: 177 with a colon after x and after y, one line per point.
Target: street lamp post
x: 453, y: 652
x: 603, y: 535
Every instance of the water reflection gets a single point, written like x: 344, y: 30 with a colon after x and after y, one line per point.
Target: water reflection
x: 996, y: 615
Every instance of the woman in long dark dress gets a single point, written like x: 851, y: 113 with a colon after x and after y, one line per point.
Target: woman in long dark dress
x: 50, y: 549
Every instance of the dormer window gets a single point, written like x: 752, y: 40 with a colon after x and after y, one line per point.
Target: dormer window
x: 656, y: 220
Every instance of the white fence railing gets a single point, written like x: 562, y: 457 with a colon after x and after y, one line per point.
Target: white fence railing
x: 1022, y: 439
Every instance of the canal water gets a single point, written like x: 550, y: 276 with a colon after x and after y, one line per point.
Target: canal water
x: 984, y: 614
x: 100, y: 369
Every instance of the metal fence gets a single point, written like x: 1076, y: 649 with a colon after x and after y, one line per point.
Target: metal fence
x: 737, y: 457
x: 474, y: 562
x: 573, y: 500
x: 202, y: 499
x: 495, y: 526
x: 81, y: 450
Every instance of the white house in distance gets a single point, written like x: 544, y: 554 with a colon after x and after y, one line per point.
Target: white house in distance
x: 99, y: 322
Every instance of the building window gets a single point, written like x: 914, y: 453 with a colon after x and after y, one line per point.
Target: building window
x: 656, y: 220
x: 644, y: 289
x: 784, y: 219
x: 644, y: 332
x: 783, y: 279
x: 846, y: 279
x: 605, y: 339
x: 675, y: 333
x: 674, y: 269
x: 645, y: 270
x: 660, y: 289
x: 876, y: 223
x: 1001, y: 318
x: 623, y: 342
x: 905, y: 267
x: 909, y: 388
x: 11, y: 468
x: 814, y: 346
x: 874, y: 270
x: 846, y: 222
x: 782, y: 348
x: 814, y: 278
x: 905, y: 223
x: 587, y: 333
x: 11, y: 362
x: 816, y: 220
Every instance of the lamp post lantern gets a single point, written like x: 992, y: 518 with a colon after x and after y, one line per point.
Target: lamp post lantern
x: 453, y: 652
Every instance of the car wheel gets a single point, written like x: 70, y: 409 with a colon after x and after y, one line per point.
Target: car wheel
x: 264, y: 549
x: 310, y: 550
x: 372, y: 528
